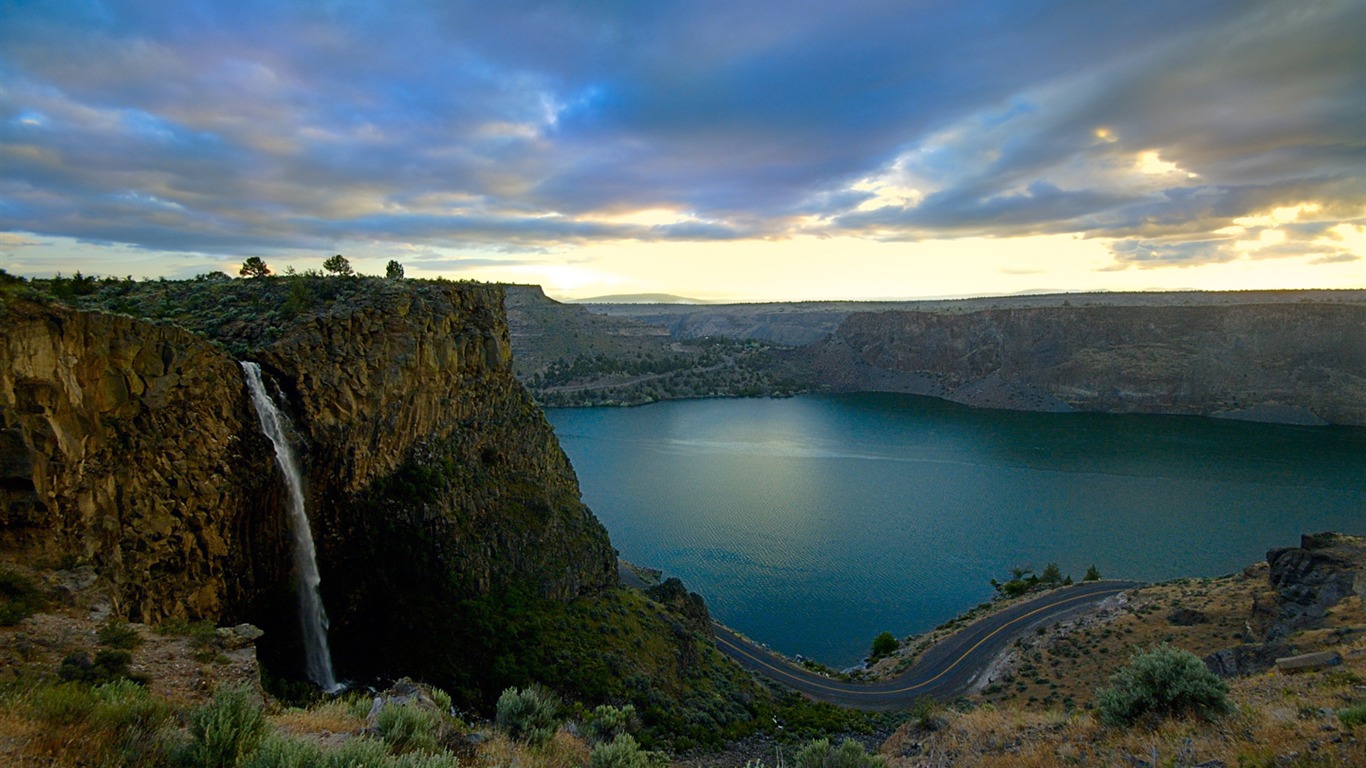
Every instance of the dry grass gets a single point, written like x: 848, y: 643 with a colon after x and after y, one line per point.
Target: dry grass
x: 1280, y: 720
x: 330, y: 717
x: 1063, y: 666
x: 563, y: 751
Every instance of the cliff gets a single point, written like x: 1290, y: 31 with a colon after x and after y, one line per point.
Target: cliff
x: 568, y: 356
x: 1303, y: 362
x: 132, y: 445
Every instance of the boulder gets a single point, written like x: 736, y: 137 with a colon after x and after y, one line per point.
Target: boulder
x: 1308, y: 662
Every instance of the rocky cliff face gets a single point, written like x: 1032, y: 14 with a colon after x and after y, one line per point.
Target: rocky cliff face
x: 133, y: 445
x: 126, y: 445
x: 1285, y: 362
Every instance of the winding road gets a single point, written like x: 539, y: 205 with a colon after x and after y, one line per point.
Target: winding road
x: 944, y: 671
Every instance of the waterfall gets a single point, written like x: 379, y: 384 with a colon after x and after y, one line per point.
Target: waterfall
x: 317, y: 657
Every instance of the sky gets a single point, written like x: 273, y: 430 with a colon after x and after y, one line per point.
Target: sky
x: 763, y: 150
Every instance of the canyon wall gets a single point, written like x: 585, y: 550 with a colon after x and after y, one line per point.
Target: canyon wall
x: 132, y: 445
x: 1302, y: 362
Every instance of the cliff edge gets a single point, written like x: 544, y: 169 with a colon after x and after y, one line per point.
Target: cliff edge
x: 131, y: 445
x: 1298, y: 363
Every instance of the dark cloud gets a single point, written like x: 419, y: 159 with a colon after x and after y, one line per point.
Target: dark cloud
x: 249, y: 126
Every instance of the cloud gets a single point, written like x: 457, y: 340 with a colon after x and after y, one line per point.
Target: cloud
x: 257, y: 126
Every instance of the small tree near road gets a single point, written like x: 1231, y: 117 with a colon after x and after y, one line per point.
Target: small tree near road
x: 338, y: 265
x: 254, y: 267
x: 1092, y: 574
x: 884, y: 644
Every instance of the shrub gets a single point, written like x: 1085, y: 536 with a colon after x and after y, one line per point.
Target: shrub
x: 1092, y: 574
x: 358, y: 753
x: 20, y: 598
x: 279, y: 751
x: 608, y: 722
x: 531, y: 714
x: 624, y: 752
x: 884, y: 644
x: 119, y: 634
x: 200, y: 633
x: 64, y: 704
x: 922, y: 712
x: 408, y: 727
x: 108, y: 665
x: 134, y: 718
x: 1162, y: 682
x: 1351, y: 717
x: 426, y: 760
x: 442, y: 700
x: 225, y: 730
x: 1052, y: 574
x: 819, y: 754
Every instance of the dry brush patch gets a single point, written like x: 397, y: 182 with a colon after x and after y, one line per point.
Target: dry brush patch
x: 1278, y: 719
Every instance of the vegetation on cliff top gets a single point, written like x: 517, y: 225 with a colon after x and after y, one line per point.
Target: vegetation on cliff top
x: 242, y: 315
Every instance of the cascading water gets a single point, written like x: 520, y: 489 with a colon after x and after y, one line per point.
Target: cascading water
x: 317, y: 657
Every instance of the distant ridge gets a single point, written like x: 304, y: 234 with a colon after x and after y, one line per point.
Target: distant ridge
x: 638, y: 298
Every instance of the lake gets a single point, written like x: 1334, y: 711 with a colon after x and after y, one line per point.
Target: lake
x: 813, y: 523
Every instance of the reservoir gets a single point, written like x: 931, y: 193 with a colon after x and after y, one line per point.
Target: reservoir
x: 813, y: 523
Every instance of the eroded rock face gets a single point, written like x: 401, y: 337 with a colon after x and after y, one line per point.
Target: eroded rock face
x: 1314, y: 576
x: 1302, y: 363
x: 125, y: 446
x: 1308, y: 580
x: 134, y: 446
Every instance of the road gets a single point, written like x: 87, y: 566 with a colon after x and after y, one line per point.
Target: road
x: 945, y: 671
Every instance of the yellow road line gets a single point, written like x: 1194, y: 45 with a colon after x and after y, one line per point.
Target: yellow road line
x: 854, y: 690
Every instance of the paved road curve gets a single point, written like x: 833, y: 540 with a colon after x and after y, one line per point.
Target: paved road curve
x: 945, y: 671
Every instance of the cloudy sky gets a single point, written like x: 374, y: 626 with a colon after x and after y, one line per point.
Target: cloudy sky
x: 774, y: 149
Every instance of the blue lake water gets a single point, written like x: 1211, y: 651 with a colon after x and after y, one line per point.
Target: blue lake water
x: 814, y: 523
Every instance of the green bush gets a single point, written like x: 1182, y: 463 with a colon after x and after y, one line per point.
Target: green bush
x: 819, y: 754
x: 408, y: 727
x: 1353, y: 716
x: 135, y: 719
x: 1092, y: 574
x: 64, y: 704
x: 884, y: 644
x: 358, y: 753
x: 108, y: 665
x: 20, y: 598
x: 922, y: 712
x: 531, y: 714
x: 279, y: 751
x: 119, y: 634
x: 1162, y: 682
x: 624, y: 752
x: 224, y: 731
x: 425, y: 760
x: 608, y: 722
x: 200, y: 633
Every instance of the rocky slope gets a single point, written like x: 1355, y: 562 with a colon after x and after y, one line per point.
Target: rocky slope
x: 1301, y: 362
x: 132, y: 445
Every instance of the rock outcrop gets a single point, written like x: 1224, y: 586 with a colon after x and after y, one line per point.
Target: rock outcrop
x: 1301, y: 363
x: 1313, y: 577
x: 1307, y: 581
x: 133, y: 445
x: 128, y: 446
